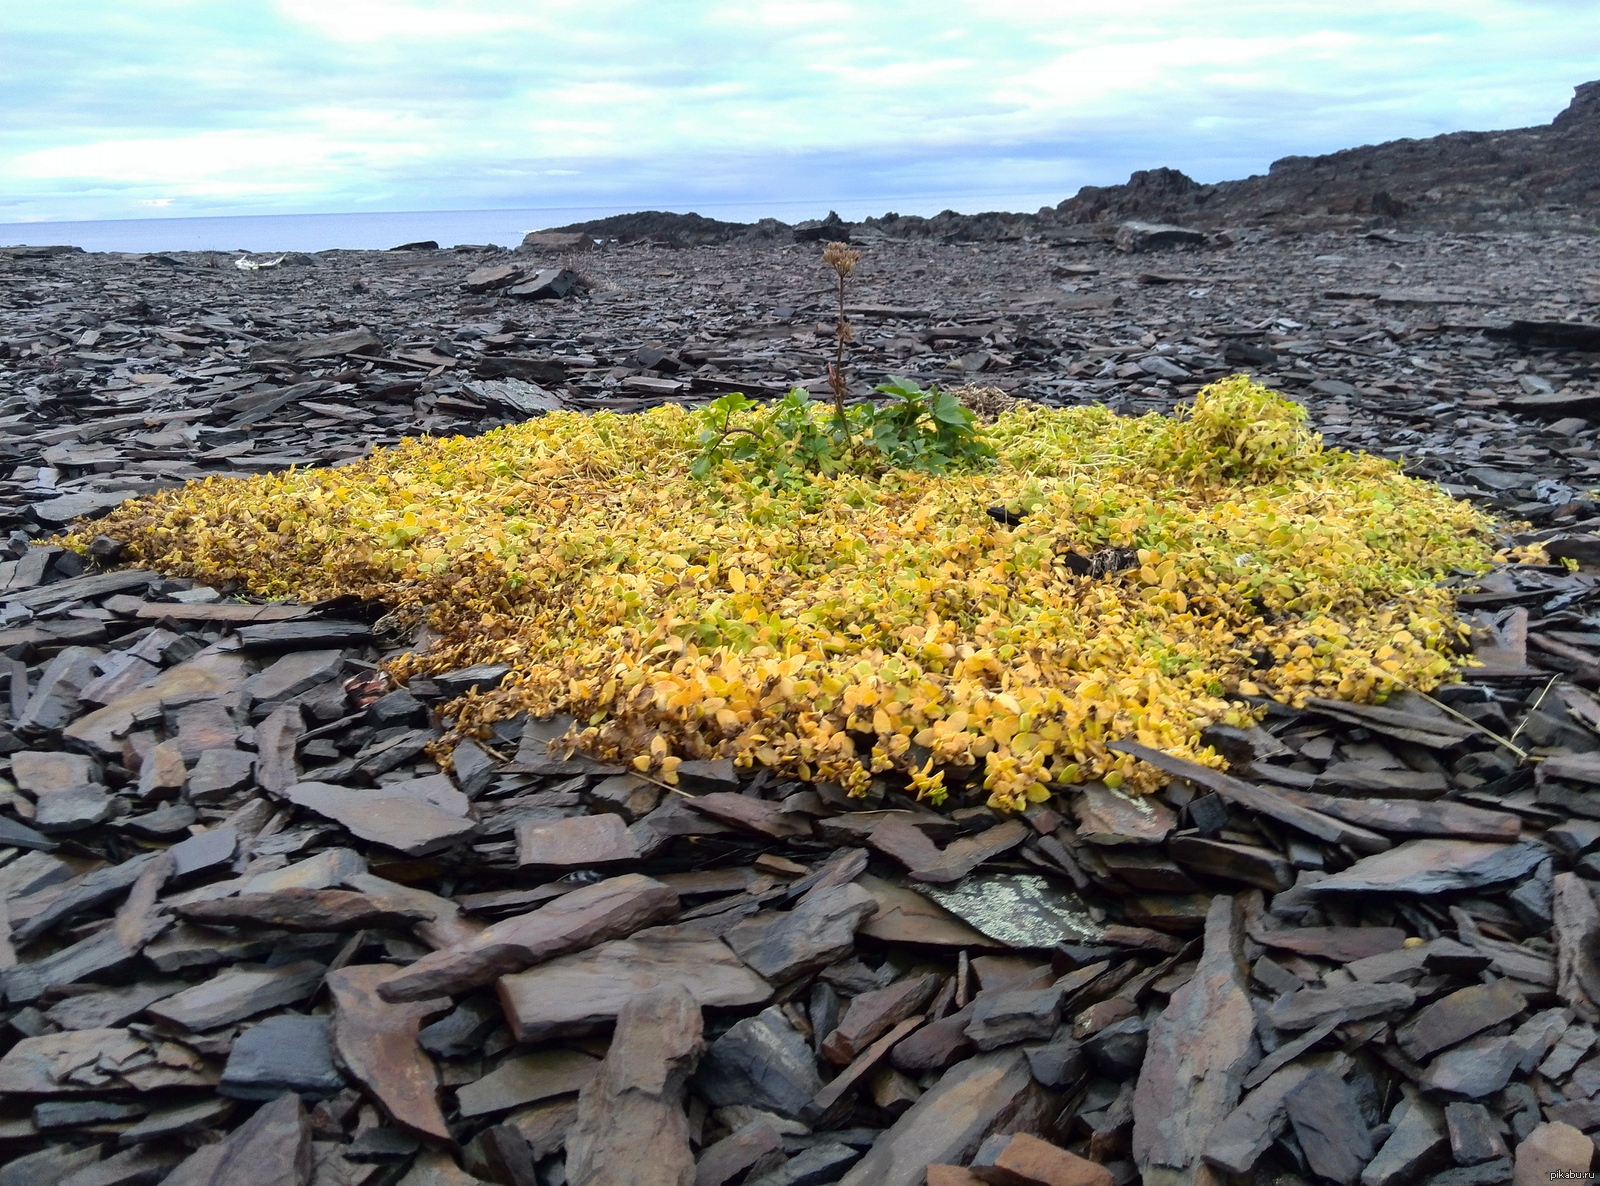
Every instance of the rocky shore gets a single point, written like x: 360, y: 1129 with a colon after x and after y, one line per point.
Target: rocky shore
x: 253, y: 931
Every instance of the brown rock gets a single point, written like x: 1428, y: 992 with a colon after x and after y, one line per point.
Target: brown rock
x: 441, y: 924
x: 875, y: 1013
x: 952, y: 1175
x: 162, y: 773
x: 1577, y: 930
x: 272, y: 1148
x: 631, y: 1128
x: 737, y: 1152
x: 748, y: 814
x: 277, y: 738
x: 102, y: 731
x: 377, y: 1043
x: 580, y: 842
x: 989, y: 1093
x: 1025, y: 1160
x: 300, y: 910
x: 1199, y: 1051
x: 435, y: 1168
x: 863, y: 1065
x: 905, y: 916
x: 1229, y: 861
x: 527, y: 1079
x: 1549, y: 1151
x: 1458, y: 1016
x: 1110, y: 817
x: 1342, y: 945
x: 577, y: 993
x: 896, y: 836
x: 609, y: 909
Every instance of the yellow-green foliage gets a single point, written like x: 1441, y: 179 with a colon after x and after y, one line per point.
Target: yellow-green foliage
x: 861, y: 624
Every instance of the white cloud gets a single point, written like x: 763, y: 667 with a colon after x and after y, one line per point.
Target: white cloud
x: 331, y: 104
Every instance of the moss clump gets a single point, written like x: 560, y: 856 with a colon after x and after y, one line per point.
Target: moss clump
x: 862, y: 624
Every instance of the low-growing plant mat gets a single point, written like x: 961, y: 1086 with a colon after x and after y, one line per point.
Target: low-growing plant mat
x: 865, y: 623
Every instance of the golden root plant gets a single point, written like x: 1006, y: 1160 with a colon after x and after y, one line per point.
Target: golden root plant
x: 863, y: 625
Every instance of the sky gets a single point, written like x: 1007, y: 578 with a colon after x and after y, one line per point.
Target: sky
x: 119, y: 109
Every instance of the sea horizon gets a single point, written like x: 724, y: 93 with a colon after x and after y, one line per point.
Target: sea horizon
x: 380, y: 230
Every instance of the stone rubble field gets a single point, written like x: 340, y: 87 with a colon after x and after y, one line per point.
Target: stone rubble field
x: 252, y: 931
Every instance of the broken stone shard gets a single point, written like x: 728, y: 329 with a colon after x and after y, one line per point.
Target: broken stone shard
x: 819, y: 930
x: 578, y: 993
x: 586, y: 916
x: 376, y: 1042
x: 1198, y: 1053
x: 631, y: 1129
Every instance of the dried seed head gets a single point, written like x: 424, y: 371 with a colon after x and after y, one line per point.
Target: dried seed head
x: 841, y: 257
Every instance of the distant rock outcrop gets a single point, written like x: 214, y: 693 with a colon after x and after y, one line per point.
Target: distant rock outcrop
x: 1544, y: 178
x: 1540, y: 178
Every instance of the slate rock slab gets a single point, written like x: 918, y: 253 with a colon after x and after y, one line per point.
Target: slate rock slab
x: 234, y: 995
x: 631, y: 1129
x: 300, y: 909
x: 820, y: 929
x: 288, y: 1052
x: 1433, y: 867
x: 763, y: 1062
x: 401, y: 821
x: 272, y: 1148
x: 1199, y: 1050
x: 950, y: 1121
x: 591, y: 914
x: 578, y: 993
x: 376, y: 1042
x: 526, y: 1079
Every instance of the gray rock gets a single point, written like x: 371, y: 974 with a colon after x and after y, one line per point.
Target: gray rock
x: 1417, y: 1143
x: 234, y: 995
x: 48, y: 1166
x: 385, y: 815
x: 474, y: 769
x: 272, y: 1148
x: 1474, y: 1069
x: 811, y: 1167
x: 818, y: 931
x: 217, y: 773
x: 1006, y: 1018
x: 283, y: 1053
x: 297, y: 672
x: 111, y: 1006
x: 72, y: 809
x: 1433, y: 867
x: 56, y: 1114
x: 1330, y: 1128
x: 58, y: 512
x: 177, y: 1120
x: 205, y: 852
x: 461, y: 1031
x: 762, y: 1062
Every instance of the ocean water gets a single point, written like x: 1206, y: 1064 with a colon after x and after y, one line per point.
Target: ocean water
x: 380, y: 230
x: 374, y: 231
x: 297, y: 232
